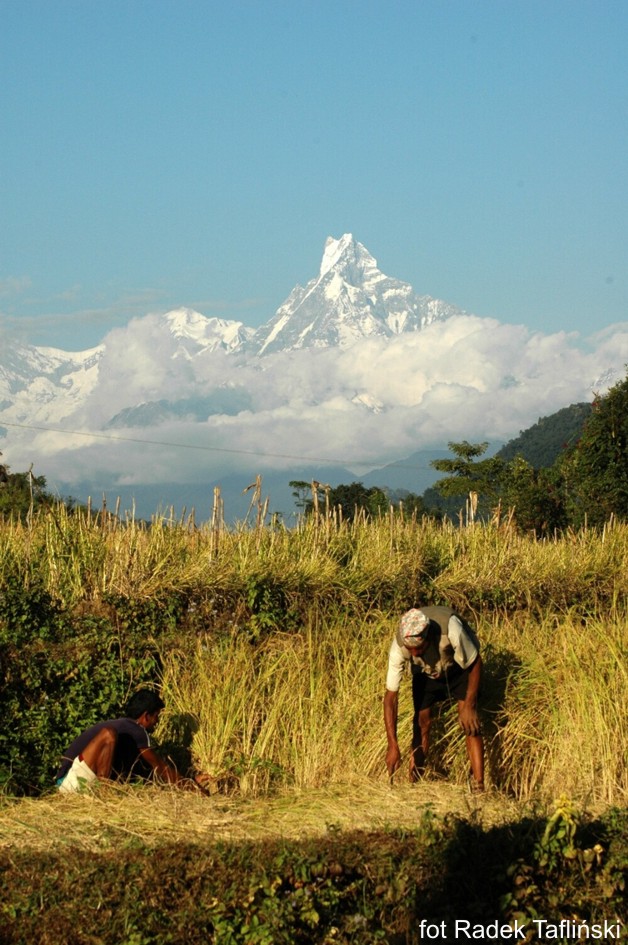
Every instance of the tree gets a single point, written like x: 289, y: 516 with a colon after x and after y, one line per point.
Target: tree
x: 534, y: 496
x: 300, y: 491
x: 22, y: 493
x: 355, y: 497
x: 468, y: 477
x: 409, y: 502
x: 596, y: 468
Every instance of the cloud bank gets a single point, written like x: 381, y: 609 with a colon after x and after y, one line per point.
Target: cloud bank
x: 164, y: 412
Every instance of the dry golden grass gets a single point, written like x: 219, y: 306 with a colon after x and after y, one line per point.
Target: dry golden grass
x: 300, y: 715
x: 114, y: 815
x: 305, y: 710
x: 81, y: 558
x: 564, y: 726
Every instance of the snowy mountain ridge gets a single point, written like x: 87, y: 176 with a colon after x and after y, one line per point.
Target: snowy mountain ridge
x: 210, y: 334
x: 348, y: 301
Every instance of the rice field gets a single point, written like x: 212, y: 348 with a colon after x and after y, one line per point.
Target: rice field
x: 276, y: 672
x: 270, y: 646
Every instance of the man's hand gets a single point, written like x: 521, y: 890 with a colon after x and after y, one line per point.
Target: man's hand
x: 393, y: 759
x: 202, y: 783
x: 415, y: 771
x: 469, y: 720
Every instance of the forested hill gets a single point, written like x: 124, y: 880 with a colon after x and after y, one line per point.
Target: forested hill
x: 542, y: 443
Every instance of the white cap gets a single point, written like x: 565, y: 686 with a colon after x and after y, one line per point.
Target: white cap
x: 412, y: 628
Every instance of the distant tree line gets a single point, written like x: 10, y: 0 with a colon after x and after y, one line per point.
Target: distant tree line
x: 347, y: 501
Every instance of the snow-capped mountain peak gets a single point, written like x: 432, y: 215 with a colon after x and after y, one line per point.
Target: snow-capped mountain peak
x: 223, y: 408
x: 197, y: 333
x: 344, y: 254
x: 186, y: 323
x: 350, y: 299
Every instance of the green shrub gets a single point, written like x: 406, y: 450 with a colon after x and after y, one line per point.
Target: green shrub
x: 62, y: 671
x: 357, y: 887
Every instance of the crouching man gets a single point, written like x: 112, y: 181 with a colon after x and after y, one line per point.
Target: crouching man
x: 119, y: 749
x: 444, y: 655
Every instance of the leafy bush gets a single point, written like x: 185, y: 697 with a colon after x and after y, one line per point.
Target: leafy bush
x: 61, y: 672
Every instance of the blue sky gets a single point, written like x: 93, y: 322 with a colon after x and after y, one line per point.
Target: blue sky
x: 174, y: 152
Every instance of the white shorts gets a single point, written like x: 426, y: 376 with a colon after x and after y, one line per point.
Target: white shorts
x: 79, y: 777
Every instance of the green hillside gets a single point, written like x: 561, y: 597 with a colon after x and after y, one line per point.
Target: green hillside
x: 542, y: 443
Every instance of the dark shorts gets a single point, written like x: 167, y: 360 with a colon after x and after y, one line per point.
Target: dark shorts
x: 427, y: 691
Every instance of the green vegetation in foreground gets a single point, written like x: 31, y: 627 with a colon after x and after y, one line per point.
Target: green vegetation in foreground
x: 340, y: 887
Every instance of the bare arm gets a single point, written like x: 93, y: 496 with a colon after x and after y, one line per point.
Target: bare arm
x: 169, y: 773
x: 469, y: 719
x: 393, y: 755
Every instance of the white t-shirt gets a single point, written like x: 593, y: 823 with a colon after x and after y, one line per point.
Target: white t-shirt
x: 462, y: 649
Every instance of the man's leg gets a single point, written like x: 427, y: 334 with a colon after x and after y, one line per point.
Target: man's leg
x: 93, y: 763
x: 98, y: 754
x: 420, y: 742
x: 475, y: 752
x: 420, y: 725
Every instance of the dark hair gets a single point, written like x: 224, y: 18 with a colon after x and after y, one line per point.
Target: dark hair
x: 144, y: 700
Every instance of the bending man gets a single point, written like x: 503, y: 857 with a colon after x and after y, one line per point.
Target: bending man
x: 444, y: 654
x: 119, y: 749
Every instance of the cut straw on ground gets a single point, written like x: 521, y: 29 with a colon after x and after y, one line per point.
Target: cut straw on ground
x: 114, y: 815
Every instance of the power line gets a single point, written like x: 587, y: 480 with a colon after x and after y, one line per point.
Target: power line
x: 209, y: 449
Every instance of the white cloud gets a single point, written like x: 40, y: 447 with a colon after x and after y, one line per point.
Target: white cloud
x: 14, y: 285
x: 464, y: 378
